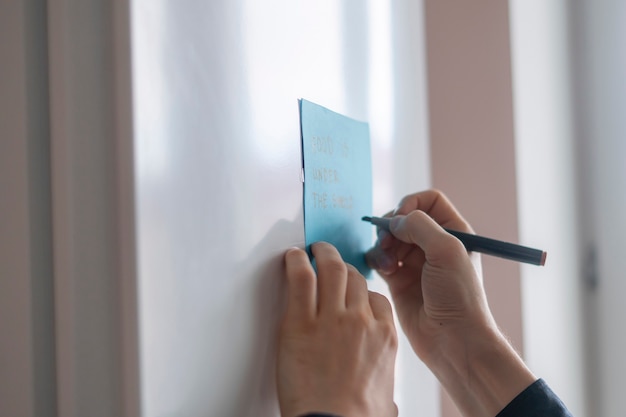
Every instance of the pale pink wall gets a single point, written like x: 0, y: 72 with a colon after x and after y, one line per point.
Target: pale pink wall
x: 472, y: 136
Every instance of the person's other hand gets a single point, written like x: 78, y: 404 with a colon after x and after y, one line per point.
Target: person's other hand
x: 337, y: 342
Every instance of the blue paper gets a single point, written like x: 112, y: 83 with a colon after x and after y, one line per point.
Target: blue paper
x: 337, y: 168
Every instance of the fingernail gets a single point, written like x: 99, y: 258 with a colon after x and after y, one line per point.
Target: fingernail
x: 385, y: 263
x: 292, y: 249
x: 379, y: 260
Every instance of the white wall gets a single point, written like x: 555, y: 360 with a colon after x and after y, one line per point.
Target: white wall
x: 570, y: 95
x: 217, y: 174
x: 600, y: 64
x: 153, y: 203
x: 547, y: 183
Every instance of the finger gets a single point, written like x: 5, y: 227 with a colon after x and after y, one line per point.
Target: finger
x: 381, y: 308
x: 300, y: 285
x: 356, y: 289
x: 386, y: 260
x: 332, y: 276
x: 385, y: 239
x: 402, y: 256
x: 437, y: 205
x: 404, y: 279
x: 420, y: 229
x: 414, y: 260
x: 383, y: 261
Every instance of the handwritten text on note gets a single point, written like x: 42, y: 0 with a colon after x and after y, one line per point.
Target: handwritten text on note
x: 337, y: 181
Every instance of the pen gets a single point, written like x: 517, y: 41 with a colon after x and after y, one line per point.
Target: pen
x: 482, y: 244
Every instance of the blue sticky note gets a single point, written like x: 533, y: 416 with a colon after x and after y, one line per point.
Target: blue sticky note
x: 337, y: 168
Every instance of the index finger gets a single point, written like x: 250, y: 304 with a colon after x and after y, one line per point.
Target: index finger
x: 301, y: 285
x: 440, y: 248
x: 437, y: 206
x: 332, y: 277
x: 381, y: 308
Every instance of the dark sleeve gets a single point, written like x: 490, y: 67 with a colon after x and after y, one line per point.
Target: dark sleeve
x: 319, y: 415
x: 538, y: 400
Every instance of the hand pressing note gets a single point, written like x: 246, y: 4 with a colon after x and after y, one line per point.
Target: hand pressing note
x: 337, y: 343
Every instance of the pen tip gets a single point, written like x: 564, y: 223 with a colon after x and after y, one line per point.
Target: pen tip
x: 544, y: 255
x: 366, y: 218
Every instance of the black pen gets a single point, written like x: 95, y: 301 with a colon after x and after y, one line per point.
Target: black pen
x: 482, y: 244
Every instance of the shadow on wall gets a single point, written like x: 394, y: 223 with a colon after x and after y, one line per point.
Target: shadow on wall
x: 258, y: 376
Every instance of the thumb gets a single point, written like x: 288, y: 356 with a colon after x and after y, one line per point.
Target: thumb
x: 420, y: 229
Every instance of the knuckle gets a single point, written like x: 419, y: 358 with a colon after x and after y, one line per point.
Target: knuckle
x: 388, y: 330
x: 334, y: 266
x: 301, y: 272
x: 297, y: 331
x: 438, y: 197
x: 415, y: 215
x: 357, y: 281
x: 381, y: 301
x: 386, y: 326
x: 324, y: 249
x: 405, y: 200
x: 361, y: 322
x: 379, y: 298
x: 437, y: 193
x: 453, y: 245
x: 449, y: 248
x: 352, y: 270
x: 359, y: 325
x: 406, y: 204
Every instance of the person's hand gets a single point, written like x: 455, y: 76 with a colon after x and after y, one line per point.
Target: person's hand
x: 436, y: 287
x: 337, y: 342
x: 433, y: 281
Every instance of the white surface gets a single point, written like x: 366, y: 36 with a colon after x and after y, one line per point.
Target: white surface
x: 601, y: 60
x: 547, y: 197
x: 218, y: 190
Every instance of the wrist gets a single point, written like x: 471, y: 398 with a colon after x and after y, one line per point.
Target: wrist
x: 326, y: 406
x: 319, y: 415
x: 480, y: 369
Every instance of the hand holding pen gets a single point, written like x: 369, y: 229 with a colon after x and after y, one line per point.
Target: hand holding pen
x: 436, y: 287
x: 337, y: 358
x: 475, y: 243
